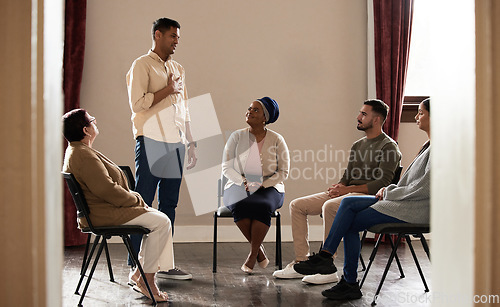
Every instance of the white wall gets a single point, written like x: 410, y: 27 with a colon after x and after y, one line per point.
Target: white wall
x: 310, y: 58
x: 452, y: 42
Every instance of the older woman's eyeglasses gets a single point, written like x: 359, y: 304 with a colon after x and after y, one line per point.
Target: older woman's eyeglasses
x: 254, y: 110
x: 92, y: 119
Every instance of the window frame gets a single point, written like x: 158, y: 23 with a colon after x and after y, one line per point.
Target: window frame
x: 410, y: 108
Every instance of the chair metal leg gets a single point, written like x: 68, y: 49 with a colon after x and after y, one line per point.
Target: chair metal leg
x: 393, y: 254
x: 372, y: 257
x: 279, y: 261
x: 417, y: 263
x: 85, y: 254
x: 87, y: 263
x: 363, y: 266
x: 130, y: 248
x: 96, y: 260
x: 426, y: 247
x: 361, y: 247
x: 402, y: 274
x: 110, y: 270
x: 214, y: 244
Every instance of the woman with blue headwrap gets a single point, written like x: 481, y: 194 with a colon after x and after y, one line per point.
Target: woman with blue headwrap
x: 256, y: 161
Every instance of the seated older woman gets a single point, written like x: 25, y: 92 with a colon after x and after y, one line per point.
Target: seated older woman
x: 256, y: 161
x: 112, y: 203
x: 405, y: 202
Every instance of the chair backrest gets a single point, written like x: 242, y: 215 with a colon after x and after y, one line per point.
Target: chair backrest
x: 130, y: 177
x: 221, y: 183
x: 82, y: 208
x: 397, y: 175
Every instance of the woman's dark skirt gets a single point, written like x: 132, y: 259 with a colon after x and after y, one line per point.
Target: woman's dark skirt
x: 258, y: 206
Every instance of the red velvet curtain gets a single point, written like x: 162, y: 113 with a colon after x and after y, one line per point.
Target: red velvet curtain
x: 392, y: 23
x: 74, y: 49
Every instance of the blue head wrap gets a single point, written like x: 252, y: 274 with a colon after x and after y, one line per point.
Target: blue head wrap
x: 271, y: 109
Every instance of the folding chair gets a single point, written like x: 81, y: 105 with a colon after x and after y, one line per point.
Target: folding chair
x: 402, y: 230
x: 224, y: 212
x: 106, y: 232
x: 131, y: 183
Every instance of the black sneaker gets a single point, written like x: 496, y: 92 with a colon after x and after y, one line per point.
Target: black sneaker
x: 316, y: 264
x: 343, y: 291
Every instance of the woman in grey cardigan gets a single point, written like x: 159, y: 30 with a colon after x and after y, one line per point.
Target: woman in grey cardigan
x: 406, y: 202
x: 256, y: 162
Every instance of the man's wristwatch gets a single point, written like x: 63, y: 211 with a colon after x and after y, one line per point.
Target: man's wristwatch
x: 192, y: 143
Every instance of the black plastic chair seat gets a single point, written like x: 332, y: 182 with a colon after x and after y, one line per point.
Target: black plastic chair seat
x: 117, y: 230
x: 224, y: 211
x: 396, y: 228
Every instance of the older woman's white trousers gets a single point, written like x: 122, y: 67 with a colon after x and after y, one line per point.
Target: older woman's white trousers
x: 157, y: 250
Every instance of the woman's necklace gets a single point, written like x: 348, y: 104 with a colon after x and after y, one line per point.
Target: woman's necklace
x: 259, y: 136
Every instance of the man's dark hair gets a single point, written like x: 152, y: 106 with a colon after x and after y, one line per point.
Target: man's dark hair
x: 164, y: 24
x: 427, y: 104
x: 379, y: 107
x: 73, y: 123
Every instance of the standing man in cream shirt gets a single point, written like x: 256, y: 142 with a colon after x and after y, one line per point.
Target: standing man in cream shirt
x: 161, y: 125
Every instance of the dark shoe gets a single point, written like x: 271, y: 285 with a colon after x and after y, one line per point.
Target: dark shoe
x: 343, y: 291
x: 175, y: 273
x: 316, y: 264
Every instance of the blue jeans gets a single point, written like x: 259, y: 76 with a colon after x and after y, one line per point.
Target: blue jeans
x: 158, y: 166
x: 353, y: 216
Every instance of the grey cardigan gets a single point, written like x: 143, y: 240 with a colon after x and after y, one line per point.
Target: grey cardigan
x: 275, y: 159
x: 409, y: 200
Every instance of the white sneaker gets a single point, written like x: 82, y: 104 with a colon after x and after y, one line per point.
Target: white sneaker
x: 288, y: 272
x: 319, y: 279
